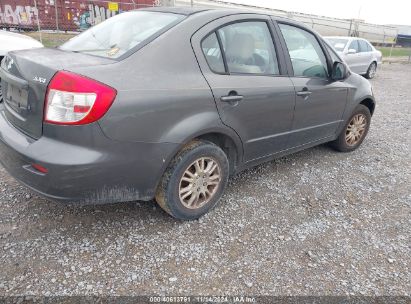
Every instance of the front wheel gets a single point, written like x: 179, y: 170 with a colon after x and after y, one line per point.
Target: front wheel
x: 194, y: 181
x: 355, y: 130
x: 372, y: 70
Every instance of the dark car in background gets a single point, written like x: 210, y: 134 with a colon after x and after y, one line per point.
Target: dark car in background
x: 168, y: 103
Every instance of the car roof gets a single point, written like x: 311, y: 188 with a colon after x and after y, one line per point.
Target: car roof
x: 183, y: 10
x: 220, y: 12
x: 339, y: 37
x: 346, y: 37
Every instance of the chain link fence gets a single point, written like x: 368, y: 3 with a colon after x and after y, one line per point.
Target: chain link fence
x: 55, y: 21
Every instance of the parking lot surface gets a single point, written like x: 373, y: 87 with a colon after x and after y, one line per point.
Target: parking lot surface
x: 313, y: 223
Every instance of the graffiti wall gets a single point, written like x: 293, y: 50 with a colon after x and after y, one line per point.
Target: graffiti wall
x: 93, y: 15
x: 18, y: 14
x: 64, y: 15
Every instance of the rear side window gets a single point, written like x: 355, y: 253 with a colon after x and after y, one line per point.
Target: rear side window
x: 119, y: 34
x: 364, y: 46
x: 249, y: 48
x: 212, y: 52
x: 246, y: 47
x: 307, y: 56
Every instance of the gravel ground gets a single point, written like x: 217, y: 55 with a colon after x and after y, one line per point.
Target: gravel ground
x: 314, y: 223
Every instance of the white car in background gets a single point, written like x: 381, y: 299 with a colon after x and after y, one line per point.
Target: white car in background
x: 10, y: 41
x: 358, y: 53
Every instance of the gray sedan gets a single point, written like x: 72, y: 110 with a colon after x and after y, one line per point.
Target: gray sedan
x: 168, y: 103
x: 358, y: 53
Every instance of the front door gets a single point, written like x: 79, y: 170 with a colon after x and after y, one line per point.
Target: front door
x: 246, y: 74
x: 320, y: 101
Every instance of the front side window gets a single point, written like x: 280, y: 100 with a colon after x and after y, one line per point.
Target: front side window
x: 119, y: 34
x: 249, y: 48
x: 307, y: 57
x: 354, y: 46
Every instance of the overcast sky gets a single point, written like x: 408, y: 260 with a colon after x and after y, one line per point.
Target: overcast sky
x: 374, y: 11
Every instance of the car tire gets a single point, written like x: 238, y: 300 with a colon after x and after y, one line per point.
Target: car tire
x: 372, y: 70
x: 355, y: 130
x: 201, y: 168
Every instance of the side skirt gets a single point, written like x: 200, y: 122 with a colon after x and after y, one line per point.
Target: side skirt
x: 258, y: 161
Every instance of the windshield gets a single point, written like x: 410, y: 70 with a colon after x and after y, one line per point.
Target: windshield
x: 119, y: 34
x: 337, y: 43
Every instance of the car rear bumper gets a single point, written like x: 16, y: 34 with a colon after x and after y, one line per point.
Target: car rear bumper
x: 103, y: 171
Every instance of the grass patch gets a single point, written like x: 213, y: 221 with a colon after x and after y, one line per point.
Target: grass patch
x: 51, y: 39
x: 396, y: 51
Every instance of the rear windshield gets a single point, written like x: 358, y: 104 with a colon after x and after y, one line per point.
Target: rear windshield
x: 337, y: 43
x: 119, y: 34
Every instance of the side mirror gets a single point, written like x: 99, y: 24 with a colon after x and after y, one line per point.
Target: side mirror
x: 352, y: 51
x: 339, y: 71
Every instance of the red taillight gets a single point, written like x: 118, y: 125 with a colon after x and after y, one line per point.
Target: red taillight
x: 76, y: 100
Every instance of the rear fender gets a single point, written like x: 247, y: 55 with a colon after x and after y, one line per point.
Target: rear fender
x: 197, y: 126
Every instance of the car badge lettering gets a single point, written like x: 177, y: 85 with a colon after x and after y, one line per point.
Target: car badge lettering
x: 39, y: 79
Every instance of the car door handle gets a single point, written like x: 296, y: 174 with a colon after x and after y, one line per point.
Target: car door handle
x: 232, y: 98
x: 304, y: 93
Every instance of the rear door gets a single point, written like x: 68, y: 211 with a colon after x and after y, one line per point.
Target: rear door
x: 366, y: 56
x: 320, y: 101
x: 246, y: 73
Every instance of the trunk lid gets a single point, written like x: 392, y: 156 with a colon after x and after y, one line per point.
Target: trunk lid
x: 25, y: 76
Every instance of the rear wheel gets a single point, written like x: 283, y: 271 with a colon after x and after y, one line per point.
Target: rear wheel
x: 372, y: 70
x: 355, y: 130
x: 194, y: 181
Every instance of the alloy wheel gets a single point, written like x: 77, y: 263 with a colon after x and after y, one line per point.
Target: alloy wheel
x: 373, y: 70
x: 355, y: 129
x: 199, y: 183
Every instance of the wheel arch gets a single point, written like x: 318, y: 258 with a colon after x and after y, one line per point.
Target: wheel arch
x: 369, y: 103
x: 228, y: 145
x: 224, y: 138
